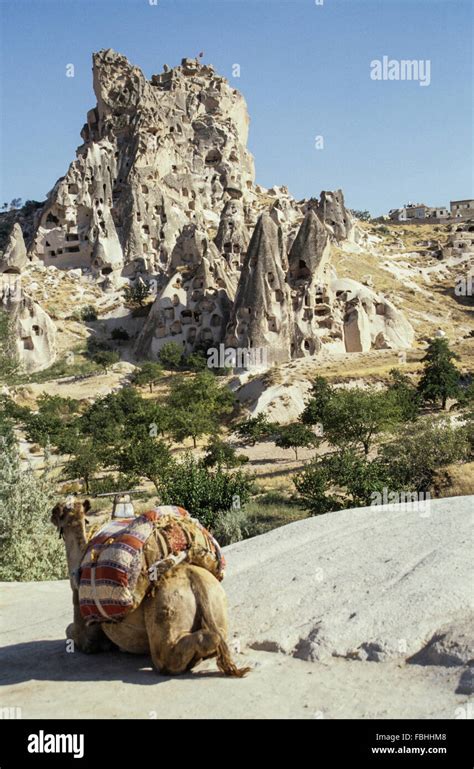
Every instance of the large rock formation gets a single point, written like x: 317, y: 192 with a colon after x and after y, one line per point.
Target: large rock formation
x: 261, y: 316
x: 334, y: 213
x: 159, y: 156
x: 293, y: 307
x: 308, y: 277
x: 34, y: 333
x: 14, y: 259
x: 163, y: 188
x: 370, y: 320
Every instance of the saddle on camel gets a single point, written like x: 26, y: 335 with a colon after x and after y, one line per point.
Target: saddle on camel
x: 147, y: 584
x: 113, y: 578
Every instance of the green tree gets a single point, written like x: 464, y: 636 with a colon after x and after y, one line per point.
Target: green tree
x: 313, y: 485
x: 42, y: 428
x: 148, y: 374
x: 320, y: 394
x: 467, y: 430
x: 295, y: 436
x: 110, y: 427
x: 222, y: 454
x: 7, y: 435
x: 112, y: 420
x: 105, y: 358
x: 119, y: 420
x: 405, y: 395
x: 148, y: 458
x: 354, y: 418
x: 84, y: 464
x: 171, y: 356
x: 466, y: 395
x: 54, y: 423
x: 440, y: 378
x: 255, y: 429
x: 356, y: 477
x: 198, y: 404
x: 11, y: 415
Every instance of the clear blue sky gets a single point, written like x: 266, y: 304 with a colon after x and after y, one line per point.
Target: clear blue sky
x: 305, y: 71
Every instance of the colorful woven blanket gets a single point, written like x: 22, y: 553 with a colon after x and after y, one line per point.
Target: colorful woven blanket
x: 124, y: 559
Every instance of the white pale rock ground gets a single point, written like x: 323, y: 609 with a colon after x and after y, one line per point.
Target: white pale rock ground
x: 327, y: 610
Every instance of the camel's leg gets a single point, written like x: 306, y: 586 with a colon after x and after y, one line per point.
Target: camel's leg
x: 171, y: 618
x: 186, y: 621
x: 187, y: 652
x: 89, y: 639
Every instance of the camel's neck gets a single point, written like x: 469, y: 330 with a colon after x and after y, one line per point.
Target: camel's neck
x: 75, y: 541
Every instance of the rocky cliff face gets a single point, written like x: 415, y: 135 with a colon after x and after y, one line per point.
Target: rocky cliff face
x: 163, y: 187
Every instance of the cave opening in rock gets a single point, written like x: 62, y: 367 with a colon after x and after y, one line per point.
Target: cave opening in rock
x: 213, y: 157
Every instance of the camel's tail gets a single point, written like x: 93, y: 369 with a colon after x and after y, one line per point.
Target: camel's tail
x: 225, y: 662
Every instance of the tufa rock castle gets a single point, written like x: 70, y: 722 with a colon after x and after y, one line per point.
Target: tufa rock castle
x: 163, y: 188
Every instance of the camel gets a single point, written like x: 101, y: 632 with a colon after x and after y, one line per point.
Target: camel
x: 180, y: 622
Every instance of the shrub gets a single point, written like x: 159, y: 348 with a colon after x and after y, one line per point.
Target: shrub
x: 171, y: 356
x: 29, y: 545
x: 232, y: 526
x: 364, y: 216
x: 196, y: 361
x: 86, y: 314
x: 136, y: 293
x: 120, y: 334
x: 206, y: 494
x: 414, y: 456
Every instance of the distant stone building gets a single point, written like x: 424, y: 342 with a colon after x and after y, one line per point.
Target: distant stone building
x: 419, y: 212
x: 438, y: 213
x: 462, y: 209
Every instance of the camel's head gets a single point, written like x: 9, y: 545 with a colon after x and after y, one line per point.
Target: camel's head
x: 70, y: 513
